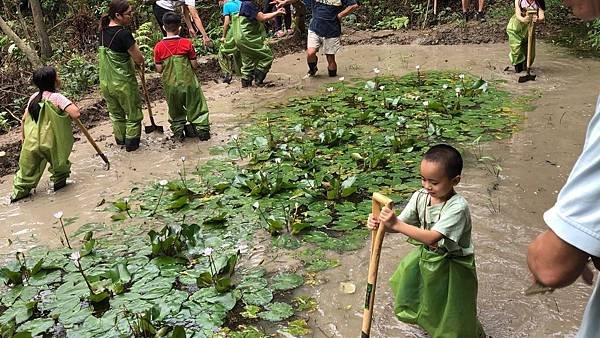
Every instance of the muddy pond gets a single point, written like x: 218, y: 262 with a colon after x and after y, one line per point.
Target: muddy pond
x: 506, y: 207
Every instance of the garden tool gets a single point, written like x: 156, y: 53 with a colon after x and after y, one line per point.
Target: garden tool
x: 378, y: 202
x: 529, y: 77
x: 92, y: 142
x: 152, y: 127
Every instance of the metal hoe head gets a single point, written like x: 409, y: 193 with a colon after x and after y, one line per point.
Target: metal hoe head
x: 153, y: 128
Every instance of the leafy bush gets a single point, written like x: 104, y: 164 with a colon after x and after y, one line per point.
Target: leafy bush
x: 397, y: 23
x: 594, y: 33
x: 78, y: 75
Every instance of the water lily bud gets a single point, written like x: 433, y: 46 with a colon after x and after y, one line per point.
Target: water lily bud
x: 342, y: 78
x: 376, y: 70
x: 457, y: 90
x: 182, y: 158
x: 445, y: 86
x: 234, y: 136
x: 58, y: 214
x: 163, y: 182
x: 207, y: 252
x: 418, y: 67
x: 330, y: 89
x: 461, y: 76
x: 381, y: 87
x: 75, y: 256
x: 426, y: 103
x: 126, y: 200
x: 278, y: 160
x: 359, y: 98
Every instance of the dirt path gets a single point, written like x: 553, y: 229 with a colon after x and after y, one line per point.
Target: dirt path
x: 536, y: 161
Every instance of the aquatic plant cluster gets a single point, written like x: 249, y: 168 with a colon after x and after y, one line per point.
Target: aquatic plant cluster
x: 299, y: 178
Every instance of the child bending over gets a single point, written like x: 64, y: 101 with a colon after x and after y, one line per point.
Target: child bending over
x: 435, y: 285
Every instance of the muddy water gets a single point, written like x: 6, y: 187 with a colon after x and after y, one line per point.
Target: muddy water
x: 535, y: 163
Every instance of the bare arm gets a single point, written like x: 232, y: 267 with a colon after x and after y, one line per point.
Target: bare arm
x: 347, y: 11
x: 540, y: 15
x: 136, y: 54
x: 23, y: 125
x: 392, y: 224
x: 226, y: 22
x: 196, y: 18
x: 195, y: 63
x: 159, y: 67
x: 188, y: 22
x: 554, y: 262
x: 73, y: 111
x: 268, y: 16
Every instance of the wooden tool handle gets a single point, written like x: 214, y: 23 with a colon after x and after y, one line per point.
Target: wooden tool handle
x: 378, y: 202
x: 529, y: 41
x: 91, y: 141
x: 146, y: 96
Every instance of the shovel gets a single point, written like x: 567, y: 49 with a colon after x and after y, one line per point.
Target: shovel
x: 529, y: 77
x: 152, y: 127
x: 92, y: 142
x: 378, y: 202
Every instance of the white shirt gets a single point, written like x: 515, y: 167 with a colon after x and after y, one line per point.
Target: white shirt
x: 575, y: 217
x: 171, y: 5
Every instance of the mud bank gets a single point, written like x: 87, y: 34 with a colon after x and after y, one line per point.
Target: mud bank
x: 506, y: 210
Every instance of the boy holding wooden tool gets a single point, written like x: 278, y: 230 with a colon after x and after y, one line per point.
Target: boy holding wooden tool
x: 435, y: 285
x: 174, y: 58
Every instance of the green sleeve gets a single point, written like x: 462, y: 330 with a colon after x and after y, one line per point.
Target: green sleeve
x: 453, y: 222
x: 410, y: 213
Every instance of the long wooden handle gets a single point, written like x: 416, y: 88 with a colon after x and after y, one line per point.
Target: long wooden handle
x: 529, y: 41
x: 92, y: 142
x: 146, y: 96
x: 378, y: 201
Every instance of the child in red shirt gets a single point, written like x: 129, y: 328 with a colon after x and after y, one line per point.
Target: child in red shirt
x: 174, y: 58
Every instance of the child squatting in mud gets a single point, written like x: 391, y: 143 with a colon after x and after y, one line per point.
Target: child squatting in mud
x: 435, y: 285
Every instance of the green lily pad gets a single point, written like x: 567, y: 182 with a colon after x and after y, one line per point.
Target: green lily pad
x: 286, y: 281
x: 276, y: 312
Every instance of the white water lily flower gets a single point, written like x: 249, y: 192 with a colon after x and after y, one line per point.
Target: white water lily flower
x: 342, y: 78
x: 234, y: 136
x: 182, y: 158
x: 376, y: 70
x: 461, y: 76
x: 207, y: 252
x: 278, y: 160
x: 381, y: 87
x: 445, y: 86
x: 359, y: 99
x: 457, y: 90
x: 418, y: 67
x: 426, y: 103
x: 58, y: 215
x: 75, y: 256
x: 163, y: 182
x: 330, y: 89
x: 126, y: 200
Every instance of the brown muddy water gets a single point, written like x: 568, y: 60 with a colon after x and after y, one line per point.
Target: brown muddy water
x: 506, y: 210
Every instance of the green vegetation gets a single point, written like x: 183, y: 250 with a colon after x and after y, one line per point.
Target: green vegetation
x: 309, y: 168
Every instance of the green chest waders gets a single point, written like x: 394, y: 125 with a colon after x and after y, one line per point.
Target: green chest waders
x: 49, y: 140
x: 229, y: 55
x: 184, y: 96
x: 249, y: 36
x: 119, y: 88
x: 517, y: 40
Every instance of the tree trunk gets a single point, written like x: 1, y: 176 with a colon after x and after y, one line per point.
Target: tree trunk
x: 40, y: 29
x: 29, y: 53
x: 22, y: 21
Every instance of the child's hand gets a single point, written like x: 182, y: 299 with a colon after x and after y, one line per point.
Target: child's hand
x: 387, y: 217
x: 372, y: 223
x: 280, y: 11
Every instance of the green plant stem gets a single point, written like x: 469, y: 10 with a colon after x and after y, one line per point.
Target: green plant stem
x: 62, y: 225
x: 158, y: 202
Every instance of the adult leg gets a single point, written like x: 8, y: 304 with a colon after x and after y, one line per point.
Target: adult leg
x: 116, y: 115
x: 197, y: 112
x: 133, y: 112
x: 31, y: 168
x: 331, y: 46
x: 465, y: 9
x: 158, y: 14
x: 313, y: 43
x: 331, y: 65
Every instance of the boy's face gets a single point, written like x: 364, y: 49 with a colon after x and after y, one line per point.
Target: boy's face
x: 435, y: 180
x: 584, y: 9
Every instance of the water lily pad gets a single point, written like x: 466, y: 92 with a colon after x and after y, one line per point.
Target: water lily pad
x: 277, y: 311
x: 36, y: 326
x: 286, y: 281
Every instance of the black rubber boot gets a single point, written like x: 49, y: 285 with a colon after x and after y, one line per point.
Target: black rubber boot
x: 13, y: 200
x: 332, y: 72
x: 227, y: 78
x: 189, y: 130
x: 259, y: 77
x: 60, y: 184
x: 312, y: 68
x: 204, y: 135
x: 519, y: 67
x: 132, y: 144
x: 119, y: 142
x: 246, y: 83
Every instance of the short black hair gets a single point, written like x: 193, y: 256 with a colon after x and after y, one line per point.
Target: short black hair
x: 171, y: 21
x: 448, y: 157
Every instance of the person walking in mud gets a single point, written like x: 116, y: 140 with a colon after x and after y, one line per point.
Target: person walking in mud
x: 435, y: 285
x: 175, y: 58
x: 229, y: 55
x: 189, y: 13
x: 324, y: 31
x: 517, y: 31
x: 46, y: 135
x: 558, y: 256
x: 117, y: 54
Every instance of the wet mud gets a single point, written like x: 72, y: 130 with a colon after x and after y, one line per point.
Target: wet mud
x: 506, y: 210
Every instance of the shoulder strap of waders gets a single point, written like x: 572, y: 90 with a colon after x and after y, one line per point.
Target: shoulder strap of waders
x: 111, y: 40
x: 176, y: 48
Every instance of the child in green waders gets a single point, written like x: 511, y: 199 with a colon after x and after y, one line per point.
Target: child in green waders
x: 175, y: 58
x: 250, y: 37
x: 117, y: 54
x: 229, y: 55
x: 435, y: 285
x: 46, y: 135
x: 517, y: 31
